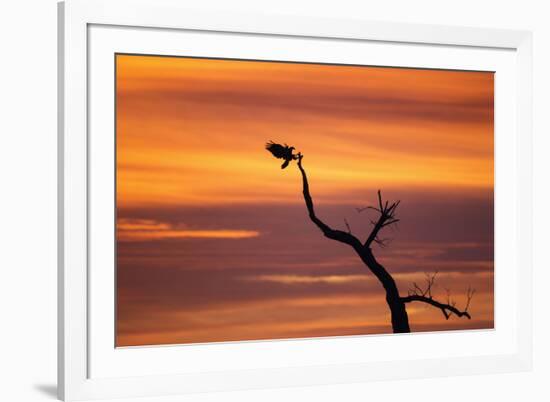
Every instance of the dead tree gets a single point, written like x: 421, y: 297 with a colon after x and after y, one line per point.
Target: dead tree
x: 386, y: 217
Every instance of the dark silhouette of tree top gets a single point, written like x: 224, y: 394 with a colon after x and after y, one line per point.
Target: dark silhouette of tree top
x: 386, y: 213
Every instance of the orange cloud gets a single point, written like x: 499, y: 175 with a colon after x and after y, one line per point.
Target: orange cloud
x: 308, y: 279
x: 192, y: 130
x: 145, y: 229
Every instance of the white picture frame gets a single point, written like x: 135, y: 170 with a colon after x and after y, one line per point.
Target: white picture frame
x: 88, y: 369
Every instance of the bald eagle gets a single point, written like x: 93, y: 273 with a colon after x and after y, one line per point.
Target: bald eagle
x: 281, y: 152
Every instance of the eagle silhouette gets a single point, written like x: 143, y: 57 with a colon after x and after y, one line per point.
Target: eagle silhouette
x: 281, y: 152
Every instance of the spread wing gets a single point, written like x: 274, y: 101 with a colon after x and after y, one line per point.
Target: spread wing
x: 278, y: 150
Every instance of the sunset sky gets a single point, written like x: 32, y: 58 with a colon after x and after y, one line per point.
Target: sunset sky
x: 213, y: 238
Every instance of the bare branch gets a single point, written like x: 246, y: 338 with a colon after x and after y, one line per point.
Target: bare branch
x: 469, y: 294
x: 425, y: 295
x: 386, y: 218
x: 359, y: 210
x: 382, y: 242
x: 390, y: 222
x: 446, y: 309
x: 333, y: 234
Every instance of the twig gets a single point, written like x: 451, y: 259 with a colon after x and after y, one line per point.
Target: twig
x: 347, y: 225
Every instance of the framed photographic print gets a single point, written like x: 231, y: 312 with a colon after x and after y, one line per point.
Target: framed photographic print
x: 256, y: 201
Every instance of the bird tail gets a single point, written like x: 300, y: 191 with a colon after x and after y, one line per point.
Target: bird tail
x: 284, y: 165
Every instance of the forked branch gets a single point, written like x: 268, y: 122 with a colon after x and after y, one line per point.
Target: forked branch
x: 386, y: 217
x: 417, y: 293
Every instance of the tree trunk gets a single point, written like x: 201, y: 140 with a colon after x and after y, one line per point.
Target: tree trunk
x: 399, y: 317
